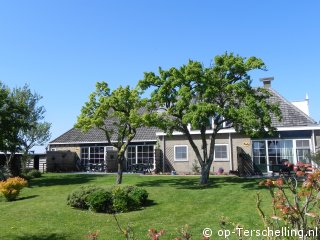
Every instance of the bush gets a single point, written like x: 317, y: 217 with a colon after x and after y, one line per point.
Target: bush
x: 4, y: 173
x: 12, y: 187
x: 139, y: 196
x: 30, y: 174
x: 34, y: 173
x: 116, y: 199
x: 78, y: 198
x: 120, y: 199
x: 100, y: 201
x: 128, y: 198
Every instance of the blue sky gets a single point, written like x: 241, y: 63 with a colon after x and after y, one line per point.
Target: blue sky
x: 62, y: 48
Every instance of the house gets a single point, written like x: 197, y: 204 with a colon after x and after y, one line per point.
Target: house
x: 297, y: 136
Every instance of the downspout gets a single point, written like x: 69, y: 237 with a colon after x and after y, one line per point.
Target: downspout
x: 230, y: 153
x: 163, y: 153
x: 313, y: 145
x: 313, y: 142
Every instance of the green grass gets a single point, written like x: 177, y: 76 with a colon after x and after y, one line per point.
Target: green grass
x: 41, y: 212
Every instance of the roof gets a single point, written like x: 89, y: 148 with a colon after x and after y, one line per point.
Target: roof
x: 94, y: 135
x: 292, y: 116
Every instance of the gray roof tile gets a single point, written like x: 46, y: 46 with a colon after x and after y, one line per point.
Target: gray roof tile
x: 291, y: 117
x: 75, y: 135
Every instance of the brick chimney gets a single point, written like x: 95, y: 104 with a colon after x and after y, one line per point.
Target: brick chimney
x: 267, y: 81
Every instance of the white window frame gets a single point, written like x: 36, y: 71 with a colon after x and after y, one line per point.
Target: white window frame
x: 294, y: 148
x: 136, y: 153
x: 187, y: 155
x: 222, y: 159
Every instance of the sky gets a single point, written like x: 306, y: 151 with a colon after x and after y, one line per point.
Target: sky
x: 61, y: 48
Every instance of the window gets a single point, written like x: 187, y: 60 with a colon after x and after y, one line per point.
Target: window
x: 93, y: 155
x: 270, y: 152
x: 259, y: 152
x: 181, y: 153
x: 280, y: 150
x: 143, y: 154
x: 84, y: 155
x: 303, y: 151
x: 131, y: 155
x: 221, y: 152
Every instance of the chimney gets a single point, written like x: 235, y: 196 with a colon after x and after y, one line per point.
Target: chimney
x: 267, y: 81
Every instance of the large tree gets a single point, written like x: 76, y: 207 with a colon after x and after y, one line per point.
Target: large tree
x: 21, y: 124
x: 217, y: 97
x: 38, y: 131
x: 117, y: 113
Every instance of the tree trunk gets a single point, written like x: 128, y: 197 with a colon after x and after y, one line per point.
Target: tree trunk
x: 120, y: 170
x: 205, y: 170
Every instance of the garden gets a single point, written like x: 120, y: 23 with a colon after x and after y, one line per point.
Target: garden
x: 41, y: 211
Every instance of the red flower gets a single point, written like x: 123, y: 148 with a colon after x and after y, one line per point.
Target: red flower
x: 300, y: 173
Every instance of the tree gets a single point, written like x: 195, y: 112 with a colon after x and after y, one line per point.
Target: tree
x: 21, y: 123
x: 117, y: 114
x: 13, y: 120
x: 216, y: 97
x: 38, y: 131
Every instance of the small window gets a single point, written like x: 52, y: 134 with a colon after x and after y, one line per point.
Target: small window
x: 53, y: 149
x: 221, y: 153
x: 181, y: 153
x: 302, y: 144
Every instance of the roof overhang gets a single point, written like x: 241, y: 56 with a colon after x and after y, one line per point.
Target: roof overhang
x: 64, y: 143
x: 232, y: 130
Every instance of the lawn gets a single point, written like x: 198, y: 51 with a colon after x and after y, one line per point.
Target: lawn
x: 41, y: 213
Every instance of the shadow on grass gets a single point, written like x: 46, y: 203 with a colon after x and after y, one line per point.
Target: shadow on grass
x: 64, y: 179
x: 49, y: 236
x: 193, y: 183
x: 27, y: 197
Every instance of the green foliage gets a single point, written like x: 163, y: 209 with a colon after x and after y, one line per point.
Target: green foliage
x: 100, y: 201
x: 138, y: 195
x: 121, y: 199
x: 128, y: 198
x: 219, y: 96
x: 4, y: 173
x: 30, y: 174
x: 294, y: 205
x: 115, y: 199
x: 21, y: 122
x: 315, y: 157
x: 117, y: 113
x: 78, y: 198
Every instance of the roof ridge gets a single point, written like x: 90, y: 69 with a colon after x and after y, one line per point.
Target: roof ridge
x: 292, y: 105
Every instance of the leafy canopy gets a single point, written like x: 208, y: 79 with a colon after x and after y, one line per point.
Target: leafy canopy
x: 117, y: 113
x: 211, y: 96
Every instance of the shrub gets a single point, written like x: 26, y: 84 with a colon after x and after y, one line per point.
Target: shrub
x: 78, y: 198
x: 116, y: 199
x: 30, y: 174
x: 34, y: 173
x: 12, y: 187
x: 100, y: 200
x: 120, y: 199
x: 128, y: 198
x: 139, y: 195
x: 295, y: 201
x: 4, y: 173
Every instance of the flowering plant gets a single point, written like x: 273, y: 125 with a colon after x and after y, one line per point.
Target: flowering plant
x: 11, y: 187
x: 294, y: 202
